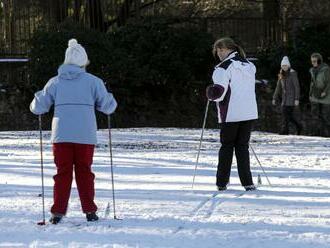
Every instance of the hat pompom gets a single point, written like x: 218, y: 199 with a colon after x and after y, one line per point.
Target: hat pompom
x: 73, y: 42
x: 75, y: 54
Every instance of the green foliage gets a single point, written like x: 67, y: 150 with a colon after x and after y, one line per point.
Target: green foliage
x: 160, y: 70
x: 157, y: 70
x: 48, y: 49
x: 153, y: 52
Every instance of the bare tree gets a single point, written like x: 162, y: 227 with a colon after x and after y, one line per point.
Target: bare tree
x: 77, y: 8
x: 9, y: 27
x: 290, y: 10
x: 59, y: 10
x: 96, y: 15
x: 210, y: 8
x: 305, y: 8
x: 271, y: 9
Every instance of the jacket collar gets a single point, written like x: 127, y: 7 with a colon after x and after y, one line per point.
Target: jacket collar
x: 230, y: 56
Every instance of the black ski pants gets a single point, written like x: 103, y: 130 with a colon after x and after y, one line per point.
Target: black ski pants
x: 287, y: 117
x: 321, y: 119
x: 234, y: 136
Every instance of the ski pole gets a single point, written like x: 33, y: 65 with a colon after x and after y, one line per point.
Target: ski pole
x: 43, y: 222
x: 200, y: 142
x: 260, y: 165
x: 112, y: 174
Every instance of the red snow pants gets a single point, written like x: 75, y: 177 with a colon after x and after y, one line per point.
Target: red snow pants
x: 69, y: 157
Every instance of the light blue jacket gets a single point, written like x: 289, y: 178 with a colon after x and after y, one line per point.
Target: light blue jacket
x: 75, y: 95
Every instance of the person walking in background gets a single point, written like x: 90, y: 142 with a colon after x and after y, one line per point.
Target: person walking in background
x: 75, y: 94
x: 234, y: 93
x: 288, y: 90
x: 319, y: 95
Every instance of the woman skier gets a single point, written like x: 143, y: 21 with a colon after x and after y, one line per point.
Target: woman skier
x: 234, y: 93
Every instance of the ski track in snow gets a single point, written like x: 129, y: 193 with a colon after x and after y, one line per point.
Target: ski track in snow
x: 153, y: 176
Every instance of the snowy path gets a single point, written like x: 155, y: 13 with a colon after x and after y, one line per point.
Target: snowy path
x: 153, y: 173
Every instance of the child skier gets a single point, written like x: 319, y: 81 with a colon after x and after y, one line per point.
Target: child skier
x: 234, y: 93
x: 75, y: 94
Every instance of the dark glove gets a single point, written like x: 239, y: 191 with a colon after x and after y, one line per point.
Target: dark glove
x: 214, y: 91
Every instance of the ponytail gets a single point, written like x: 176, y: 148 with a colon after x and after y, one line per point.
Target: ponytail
x: 240, y: 51
x: 228, y: 43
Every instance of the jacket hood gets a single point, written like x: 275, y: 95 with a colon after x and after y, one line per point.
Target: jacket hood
x: 70, y: 72
x: 322, y: 67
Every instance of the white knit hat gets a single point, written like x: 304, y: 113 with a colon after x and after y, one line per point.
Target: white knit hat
x: 75, y: 54
x: 285, y: 61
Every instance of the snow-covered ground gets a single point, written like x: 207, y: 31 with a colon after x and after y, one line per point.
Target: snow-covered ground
x: 153, y: 176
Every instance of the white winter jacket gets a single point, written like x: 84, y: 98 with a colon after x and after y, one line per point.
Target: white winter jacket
x: 238, y: 102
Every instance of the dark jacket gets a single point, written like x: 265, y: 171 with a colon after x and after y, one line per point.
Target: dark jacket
x: 320, y: 82
x: 287, y: 89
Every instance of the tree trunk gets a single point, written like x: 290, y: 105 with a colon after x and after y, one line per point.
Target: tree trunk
x: 137, y: 9
x: 95, y: 13
x: 271, y: 9
x: 273, y: 24
x: 9, y: 26
x: 77, y: 6
x: 59, y: 10
x: 124, y: 11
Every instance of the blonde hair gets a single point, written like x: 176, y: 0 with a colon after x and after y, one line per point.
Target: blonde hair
x: 228, y: 43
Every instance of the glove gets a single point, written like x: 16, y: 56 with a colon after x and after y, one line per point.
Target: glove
x: 214, y: 91
x: 323, y: 94
x: 274, y: 102
x: 296, y: 102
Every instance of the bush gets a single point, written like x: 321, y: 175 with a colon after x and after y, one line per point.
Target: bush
x: 161, y: 71
x: 48, y: 47
x: 157, y: 70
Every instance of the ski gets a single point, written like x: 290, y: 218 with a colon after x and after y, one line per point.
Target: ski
x: 83, y: 223
x: 203, y: 203
x: 103, y: 223
x: 195, y: 212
